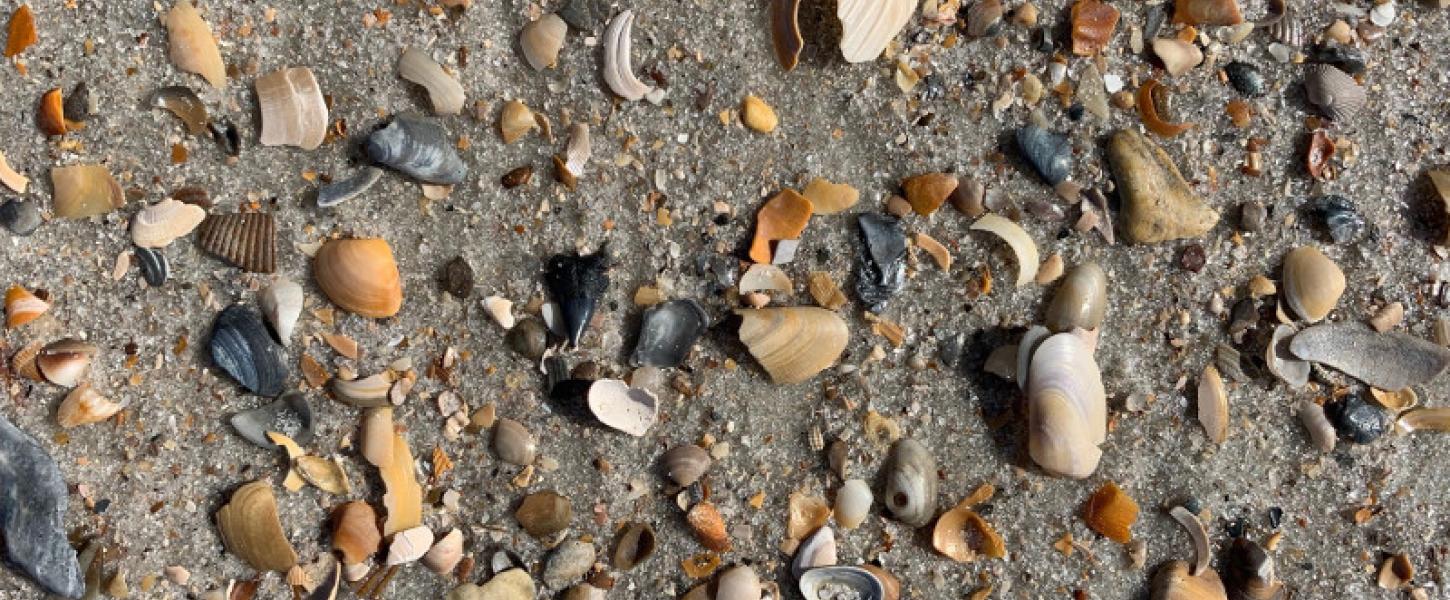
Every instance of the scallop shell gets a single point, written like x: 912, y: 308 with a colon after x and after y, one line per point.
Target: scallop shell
x: 241, y: 347
x: 1081, y: 300
x: 192, y: 46
x: 247, y: 241
x: 161, y: 223
x: 1334, y: 92
x: 738, y: 583
x: 293, y: 110
x: 869, y: 25
x: 621, y: 407
x: 409, y: 545
x: 83, y: 406
x: 444, y: 91
x: 911, y: 483
x: 853, y: 503
x: 419, y: 149
x: 65, y: 362
x: 445, y: 553
x: 962, y: 535
x: 22, y: 307
x: 289, y: 415
x: 818, y: 550
x: 685, y: 464
x: 541, y: 40
x: 282, y: 304
x: 1312, y: 283
x: 83, y: 191
x: 618, y: 64
x: 1066, y: 407
x: 251, y: 529
x: 637, y: 542
x: 355, y: 535
x: 826, y: 582
x: 513, y: 443
x: 360, y: 276
x: 793, y: 343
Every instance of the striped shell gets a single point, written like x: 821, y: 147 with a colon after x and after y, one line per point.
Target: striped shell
x: 22, y: 307
x: 83, y: 406
x: 293, y: 110
x: 795, y: 343
x: 1066, y: 407
x: 161, y: 223
x: 1334, y: 92
x: 246, y: 240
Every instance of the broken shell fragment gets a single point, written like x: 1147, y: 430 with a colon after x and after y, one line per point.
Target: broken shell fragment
x: 576, y: 155
x: 83, y: 406
x: 1251, y: 572
x: 403, y: 500
x: 192, y: 46
x: 1066, y: 407
x: 367, y: 392
x: 159, y: 224
x: 853, y: 503
x: 1281, y: 361
x: 444, y: 91
x: 355, y: 535
x: 513, y: 443
x: 1081, y: 301
x: 911, y: 483
x: 794, y: 343
x: 376, y: 433
x: 1111, y: 512
x: 1174, y: 582
x: 869, y: 25
x: 1213, y: 404
x: 360, y: 276
x: 685, y: 464
x: 1146, y: 101
x: 1389, y: 361
x: 17, y: 182
x: 828, y: 198
x: 637, y: 542
x: 1178, y: 56
x: 1047, y: 152
x: 293, y: 110
x: 251, y: 529
x: 1022, y: 245
x: 1158, y: 205
x: 1207, y: 12
x: 1333, y: 92
x: 50, y: 113
x: 783, y: 217
x: 1396, y: 402
x: 708, y: 526
x: 65, y: 362
x: 842, y: 582
x: 1425, y: 419
x: 928, y: 191
x: 785, y: 32
x: 324, y: 474
x: 185, y: 104
x: 757, y: 115
x: 881, y: 267
x: 282, y: 304
x: 20, y: 31
x: 618, y: 64
x: 963, y: 535
x: 445, y: 553
x: 409, y: 545
x: 818, y: 550
x: 667, y: 332
x: 1093, y: 24
x: 289, y: 415
x: 419, y: 149
x: 22, y: 307
x: 247, y: 241
x: 354, y: 185
x: 621, y: 407
x: 515, y: 121
x: 241, y: 346
x: 541, y: 41
x: 576, y: 283
x: 544, y: 513
x: 83, y: 191
x: 1321, y: 431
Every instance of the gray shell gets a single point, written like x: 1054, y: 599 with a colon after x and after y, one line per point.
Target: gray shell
x: 337, y: 192
x: 419, y: 149
x: 821, y: 581
x: 289, y: 415
x: 32, y: 514
x: 1334, y: 92
x: 241, y: 346
x: 911, y: 483
x: 667, y: 332
x: 1047, y: 152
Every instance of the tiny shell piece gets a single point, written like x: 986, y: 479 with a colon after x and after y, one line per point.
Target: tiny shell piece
x: 785, y: 32
x: 541, y: 41
x: 1093, y: 23
x: 445, y: 553
x: 193, y: 47
x: 83, y: 406
x: 501, y: 310
x: 708, y: 526
x: 963, y: 535
x: 50, y: 114
x: 1178, y: 56
x: 938, y: 252
x: 783, y: 217
x: 1021, y: 243
x: 409, y: 545
x: 83, y: 191
x: 158, y: 225
x: 21, y: 31
x: 829, y: 198
x: 293, y: 110
x: 17, y: 182
x: 403, y: 500
x: 185, y: 104
x: 22, y: 307
x: 444, y: 91
x: 515, y: 121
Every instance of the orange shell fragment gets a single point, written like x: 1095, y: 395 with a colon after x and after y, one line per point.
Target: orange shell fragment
x: 1093, y: 23
x: 1111, y: 512
x: 22, y: 31
x: 50, y: 115
x: 1207, y: 12
x: 1149, y: 112
x: 783, y: 217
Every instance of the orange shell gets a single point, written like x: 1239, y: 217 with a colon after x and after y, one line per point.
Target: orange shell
x: 22, y: 31
x: 1111, y: 512
x: 1149, y: 111
x: 50, y: 115
x: 360, y: 276
x: 355, y: 534
x: 22, y: 307
x: 962, y: 535
x: 708, y: 526
x: 783, y: 217
x: 1093, y: 23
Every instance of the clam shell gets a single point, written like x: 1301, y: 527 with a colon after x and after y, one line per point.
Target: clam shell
x: 841, y: 582
x: 444, y: 91
x: 155, y: 269
x: 161, y: 223
x: 637, y: 542
x: 805, y: 513
x: 1334, y: 92
x: 289, y: 415
x: 355, y: 185
x: 568, y: 562
x: 962, y: 535
x: 1312, y: 283
x: 513, y: 443
x: 853, y: 503
x: 1213, y: 404
x: 282, y: 304
x: 667, y: 332
x: 65, y: 362
x: 576, y: 283
x: 22, y: 307
x: 409, y: 545
x: 621, y: 407
x: 1388, y: 361
x: 83, y: 406
x: 192, y: 46
x: 445, y: 553
x: 1174, y: 582
x: 185, y: 104
x: 911, y: 483
x: 544, y: 513
x: 293, y: 110
x: 618, y: 64
x: 419, y: 149
x: 541, y: 40
x: 794, y: 343
x: 1081, y: 301
x: 869, y: 25
x: 355, y: 535
x: 1321, y: 431
x: 247, y: 241
x: 1049, y: 153
x: 241, y: 347
x: 251, y: 529
x: 1026, y: 347
x: 685, y: 464
x: 83, y: 191
x: 1066, y: 407
x: 818, y: 550
x: 368, y: 392
x: 738, y: 583
x: 360, y: 276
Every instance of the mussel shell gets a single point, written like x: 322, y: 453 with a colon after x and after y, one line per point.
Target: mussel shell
x: 241, y: 346
x: 20, y: 217
x: 419, y: 149
x: 881, y: 266
x: 577, y: 282
x: 1081, y: 301
x: 1047, y: 152
x: 667, y: 332
x: 337, y: 192
x: 1066, y: 407
x: 289, y: 415
x: 911, y: 483
x: 1334, y: 92
x: 245, y: 240
x: 1246, y: 78
x: 155, y: 269
x: 1340, y: 217
x: 819, y: 583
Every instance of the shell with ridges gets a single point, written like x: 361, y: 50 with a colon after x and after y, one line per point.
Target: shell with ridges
x: 1334, y: 92
x: 869, y: 25
x: 541, y: 40
x: 360, y: 276
x: 794, y: 343
x: 1066, y: 407
x: 241, y: 347
x: 83, y: 406
x: 161, y: 223
x: 247, y: 241
x: 192, y: 46
x: 22, y: 307
x: 618, y: 64
x: 444, y: 91
x: 418, y: 148
x: 1312, y: 283
x: 911, y: 483
x: 293, y: 110
x: 251, y: 529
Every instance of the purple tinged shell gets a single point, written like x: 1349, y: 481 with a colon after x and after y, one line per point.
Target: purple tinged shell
x: 419, y: 149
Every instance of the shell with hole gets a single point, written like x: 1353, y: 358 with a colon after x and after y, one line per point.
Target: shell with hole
x: 360, y: 276
x: 159, y: 224
x: 251, y: 529
x: 793, y: 343
x: 293, y: 110
x: 1066, y: 407
x: 83, y: 406
x: 192, y: 46
x: 911, y: 483
x: 444, y: 91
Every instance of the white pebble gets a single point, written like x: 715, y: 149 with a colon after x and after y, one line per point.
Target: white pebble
x: 1112, y: 82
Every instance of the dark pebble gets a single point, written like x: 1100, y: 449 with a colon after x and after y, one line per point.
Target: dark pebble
x: 226, y: 135
x: 1276, y: 516
x: 517, y: 177
x: 1252, y: 216
x: 1244, y: 316
x: 1339, y: 217
x: 529, y: 338
x: 20, y: 217
x: 1193, y: 258
x: 1349, y: 60
x: 457, y: 278
x: 585, y: 15
x: 1357, y: 420
x: 1245, y: 78
x: 77, y: 105
x: 1076, y: 111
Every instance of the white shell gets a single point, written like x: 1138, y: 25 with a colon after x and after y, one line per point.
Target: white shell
x: 1025, y: 348
x: 1016, y: 237
x: 445, y: 553
x: 618, y: 66
x: 868, y: 25
x: 853, y: 503
x: 577, y: 154
x: 738, y: 583
x: 627, y: 409
x: 282, y: 303
x: 444, y: 91
x: 827, y: 581
x: 161, y: 223
x: 1281, y: 362
x: 765, y: 278
x: 501, y: 309
x: 819, y: 550
x: 410, y: 545
x: 1066, y: 407
x: 293, y: 110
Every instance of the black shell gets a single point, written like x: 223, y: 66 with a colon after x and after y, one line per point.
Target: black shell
x: 289, y: 415
x: 1245, y: 78
x: 32, y: 513
x: 577, y: 282
x: 667, y: 332
x: 155, y: 269
x: 1357, y: 420
x: 241, y: 346
x: 1340, y: 217
x: 419, y: 149
x: 881, y: 266
x: 1047, y: 152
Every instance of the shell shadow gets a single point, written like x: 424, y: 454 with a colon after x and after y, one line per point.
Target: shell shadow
x: 1425, y: 215
x: 996, y: 399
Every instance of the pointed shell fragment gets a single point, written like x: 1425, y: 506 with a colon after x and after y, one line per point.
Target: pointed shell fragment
x: 794, y: 343
x: 83, y: 191
x: 247, y: 241
x: 418, y: 148
x: 354, y: 185
x: 1021, y: 243
x: 1334, y: 92
x: 444, y: 91
x: 1213, y: 404
x: 22, y: 307
x: 241, y: 347
x: 618, y: 64
x: 409, y: 545
x: 783, y: 217
x: 360, y: 276
x: 289, y: 415
x: 403, y: 500
x: 621, y: 407
x: 83, y: 406
x: 281, y: 302
x: 1389, y: 361
x: 541, y: 40
x: 911, y: 483
x: 185, y: 104
x: 1111, y: 512
x: 928, y: 191
x: 869, y: 25
x: 251, y: 529
x: 192, y: 46
x: 293, y: 110
x: 20, y: 31
x: 1066, y: 407
x: 159, y: 224
x: 577, y: 282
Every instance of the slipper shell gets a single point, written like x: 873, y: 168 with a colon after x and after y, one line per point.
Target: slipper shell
x: 83, y: 406
x: 1213, y: 405
x: 192, y: 46
x: 241, y: 347
x: 293, y: 110
x: 22, y: 307
x: 419, y: 149
x: 158, y: 225
x: 247, y: 241
x: 541, y: 40
x: 83, y: 191
x: 963, y: 535
x: 869, y: 25
x: 360, y: 276
x: 444, y: 91
x: 621, y: 407
x: 793, y: 344
x: 251, y: 530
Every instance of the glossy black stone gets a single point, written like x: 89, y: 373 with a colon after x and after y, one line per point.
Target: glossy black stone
x: 20, y: 217
x: 881, y: 265
x: 1357, y: 420
x: 577, y: 282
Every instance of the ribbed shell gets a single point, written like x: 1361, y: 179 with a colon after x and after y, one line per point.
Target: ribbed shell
x: 246, y: 240
x: 1066, y: 407
x: 241, y: 347
x: 1334, y: 92
x: 794, y: 343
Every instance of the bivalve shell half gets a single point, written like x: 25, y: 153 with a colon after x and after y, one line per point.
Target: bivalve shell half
x: 818, y: 550
x: 1174, y: 582
x: 738, y: 583
x: 853, y: 503
x: 963, y: 535
x: 623, y: 408
x: 1334, y: 92
x: 869, y: 25
x: 83, y: 406
x: 159, y: 224
x: 83, y: 191
x: 247, y: 241
x: 293, y: 110
x: 1066, y: 407
x: 1111, y: 512
x: 445, y: 553
x: 911, y: 483
x: 192, y: 46
x: 241, y: 347
x: 360, y: 276
x: 637, y: 541
x: 1213, y: 404
x: 541, y: 40
x: 513, y: 443
x: 544, y: 513
x: 418, y: 148
x: 444, y: 91
x: 1081, y: 301
x: 1312, y: 283
x: 1207, y: 12
x: 22, y: 307
x: 282, y: 304
x: 793, y: 343
x: 1016, y: 237
x: 685, y: 464
x: 65, y: 362
x: 827, y: 582
x: 619, y: 64
x: 409, y: 545
x: 355, y: 535
x: 1282, y: 363
x: 251, y: 529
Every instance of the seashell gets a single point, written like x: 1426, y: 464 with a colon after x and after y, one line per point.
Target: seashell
x: 1147, y: 102
x: 1093, y: 24
x: 241, y: 347
x: 84, y: 191
x: 64, y: 362
x: 1247, y: 79
x: 1111, y: 512
x: 293, y: 110
x: 289, y: 415
x: 1321, y: 431
x: 10, y: 178
x: 368, y: 392
x: 529, y: 338
x: 83, y: 406
x: 1387, y: 317
x: 155, y: 269
x: 1251, y: 573
x: 1022, y: 245
x: 1049, y: 153
x: 282, y: 304
x: 500, y: 310
x: 403, y: 500
x: 1178, y: 57
x: 1213, y: 404
x: 247, y: 241
x: 962, y: 535
x: 738, y: 583
x: 227, y: 137
x: 842, y: 582
x: 853, y: 503
x: 685, y: 464
x: 20, y: 31
x: 794, y: 343
x: 1424, y: 419
x: 513, y: 443
x: 1357, y: 420
x: 444, y: 91
x: 513, y: 584
x: 377, y: 435
x: 185, y: 104
x: 1389, y: 361
x: 1281, y: 362
x: 805, y: 513
x: 22, y: 307
x: 457, y: 279
x: 192, y: 46
x: 23, y: 361
x: 1066, y: 409
x: 785, y: 32
x: 409, y: 545
x: 515, y: 121
x: 419, y: 149
x: 50, y: 113
x: 568, y: 562
x: 543, y: 514
x: 584, y: 591
x: 541, y: 40
x: 324, y: 474
x: 1340, y: 217
x: 355, y: 535
x: 828, y: 198
x: 1199, y: 535
x: 911, y: 482
x: 818, y: 550
x: 576, y: 155
x: 1284, y: 24
x: 783, y: 217
x: 881, y: 268
x: 623, y: 408
x: 445, y: 553
x: 159, y: 224
x: 576, y: 283
x: 667, y: 332
x: 1026, y: 347
x: 618, y: 64
x: 1334, y: 92
x: 1081, y: 300
x: 355, y: 185
x: 1174, y: 582
x: 251, y: 530
x: 360, y: 276
x: 928, y: 191
x: 1207, y: 12
x: 637, y: 542
x: 869, y: 25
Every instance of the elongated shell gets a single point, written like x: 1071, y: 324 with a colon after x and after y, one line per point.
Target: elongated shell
x: 282, y: 304
x: 251, y: 529
x: 83, y: 406
x: 541, y: 40
x: 794, y: 343
x: 1066, y: 407
x: 1213, y: 404
x: 1321, y: 431
x: 1312, y: 283
x: 1081, y: 301
x: 868, y: 25
x: 1334, y: 92
x: 444, y: 91
x: 911, y: 483
x: 618, y: 64
x: 637, y: 542
x: 161, y: 223
x: 367, y: 392
x: 293, y: 110
x: 360, y: 276
x: 419, y: 149
x: 864, y: 585
x: 193, y: 47
x: 245, y: 240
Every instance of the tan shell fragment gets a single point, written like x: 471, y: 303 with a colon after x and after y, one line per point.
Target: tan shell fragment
x: 962, y: 535
x: 1021, y: 243
x: 795, y: 343
x: 10, y: 178
x: 192, y: 46
x: 161, y: 223
x: 251, y: 529
x: 1312, y: 283
x: 83, y: 406
x: 247, y: 241
x: 22, y: 307
x: 409, y: 545
x: 293, y: 480
x: 515, y: 121
x: 377, y: 435
x: 403, y: 500
x: 869, y: 25
x: 85, y: 191
x: 444, y: 91
x: 355, y: 535
x: 445, y: 553
x: 324, y: 474
x: 1213, y: 404
x: 829, y: 198
x: 541, y: 40
x: 293, y: 110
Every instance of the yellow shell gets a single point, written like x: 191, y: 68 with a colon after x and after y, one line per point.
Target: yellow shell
x: 793, y: 343
x: 83, y: 406
x: 360, y: 276
x: 1312, y: 283
x: 22, y: 307
x: 85, y: 191
x: 193, y: 47
x: 251, y: 529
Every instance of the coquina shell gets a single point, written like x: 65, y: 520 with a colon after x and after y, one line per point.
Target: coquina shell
x: 1066, y: 407
x: 794, y: 343
x: 1312, y: 283
x: 360, y: 276
x: 911, y: 483
x: 1081, y: 301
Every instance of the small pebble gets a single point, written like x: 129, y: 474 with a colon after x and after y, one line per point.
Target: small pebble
x: 20, y: 217
x: 1252, y: 216
x: 1193, y: 258
x: 1357, y: 420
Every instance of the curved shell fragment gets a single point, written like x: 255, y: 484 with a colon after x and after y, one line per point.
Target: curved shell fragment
x: 618, y: 65
x: 868, y: 25
x: 1021, y: 243
x: 444, y: 91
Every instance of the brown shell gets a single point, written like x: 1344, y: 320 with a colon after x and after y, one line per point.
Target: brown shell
x: 783, y: 217
x: 793, y: 343
x: 928, y: 191
x: 246, y: 240
x: 1334, y: 92
x: 355, y: 535
x: 85, y: 191
x: 21, y: 31
x: 962, y: 535
x: 1111, y: 512
x: 1207, y: 12
x: 251, y: 529
x: 65, y: 362
x: 50, y: 115
x: 1093, y: 24
x: 360, y: 276
x: 708, y: 526
x: 785, y: 32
